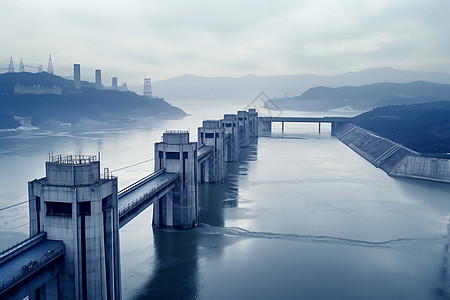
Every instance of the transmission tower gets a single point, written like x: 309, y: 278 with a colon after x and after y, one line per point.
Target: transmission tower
x: 147, y: 87
x: 11, y: 65
x: 50, y: 65
x: 21, y: 66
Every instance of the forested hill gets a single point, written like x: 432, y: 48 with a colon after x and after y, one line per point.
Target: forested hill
x: 96, y: 104
x: 366, y: 97
x: 424, y: 127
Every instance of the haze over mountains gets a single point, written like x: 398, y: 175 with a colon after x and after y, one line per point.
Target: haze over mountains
x: 365, y: 97
x: 244, y: 89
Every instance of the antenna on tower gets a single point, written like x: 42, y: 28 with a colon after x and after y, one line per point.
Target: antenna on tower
x: 147, y: 87
x: 50, y: 65
x: 21, y: 66
x: 11, y: 65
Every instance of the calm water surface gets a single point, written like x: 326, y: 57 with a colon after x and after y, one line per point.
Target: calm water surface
x: 300, y: 217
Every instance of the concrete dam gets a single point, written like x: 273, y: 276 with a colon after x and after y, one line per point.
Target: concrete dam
x: 395, y: 159
x: 76, y: 211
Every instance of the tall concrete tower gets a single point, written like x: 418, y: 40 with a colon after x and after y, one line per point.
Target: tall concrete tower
x: 179, y: 208
x: 114, y: 83
x: 73, y: 203
x: 98, y: 79
x: 244, y: 128
x: 21, y: 66
x: 253, y: 123
x: 231, y: 144
x: 11, y: 66
x: 212, y: 134
x: 148, y: 87
x: 50, y: 65
x: 77, y: 76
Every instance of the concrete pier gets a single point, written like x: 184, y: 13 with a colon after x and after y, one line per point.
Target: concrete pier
x: 231, y: 148
x: 178, y: 208
x: 244, y: 128
x: 212, y: 134
x: 253, y: 123
x: 74, y: 204
x: 265, y: 126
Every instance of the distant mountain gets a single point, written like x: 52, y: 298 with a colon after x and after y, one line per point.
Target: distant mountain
x: 244, y: 89
x: 367, y: 96
x: 422, y: 127
x: 72, y: 106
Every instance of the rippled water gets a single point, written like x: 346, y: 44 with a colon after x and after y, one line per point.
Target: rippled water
x: 300, y: 217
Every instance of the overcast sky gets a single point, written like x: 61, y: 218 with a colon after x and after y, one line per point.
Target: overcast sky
x: 162, y: 39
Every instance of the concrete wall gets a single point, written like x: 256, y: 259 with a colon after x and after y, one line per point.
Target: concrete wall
x: 92, y: 257
x: 232, y: 148
x: 212, y: 134
x: 177, y: 155
x: 393, y: 158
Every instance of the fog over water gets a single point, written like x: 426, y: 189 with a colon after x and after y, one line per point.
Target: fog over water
x: 300, y: 216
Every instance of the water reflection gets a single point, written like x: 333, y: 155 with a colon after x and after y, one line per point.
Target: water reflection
x: 176, y: 272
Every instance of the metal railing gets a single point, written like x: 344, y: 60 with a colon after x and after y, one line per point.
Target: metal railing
x: 177, y: 131
x: 139, y: 183
x: 21, y: 246
x: 30, y: 268
x: 132, y: 205
x: 65, y: 159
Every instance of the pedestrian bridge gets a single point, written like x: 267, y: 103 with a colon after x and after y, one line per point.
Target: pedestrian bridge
x: 138, y: 196
x: 30, y: 264
x: 266, y: 122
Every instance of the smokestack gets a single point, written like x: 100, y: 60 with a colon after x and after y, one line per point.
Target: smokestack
x: 76, y: 76
x: 114, y: 83
x: 98, y: 79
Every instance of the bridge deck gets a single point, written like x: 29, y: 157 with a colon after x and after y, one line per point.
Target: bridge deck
x: 306, y: 119
x: 140, y: 191
x: 29, y: 261
x: 204, y: 151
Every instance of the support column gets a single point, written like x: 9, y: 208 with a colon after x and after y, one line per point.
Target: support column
x: 265, y: 126
x: 206, y: 169
x: 244, y: 128
x: 212, y: 134
x: 230, y: 125
x: 75, y: 205
x: 177, y: 155
x: 282, y: 127
x: 253, y: 123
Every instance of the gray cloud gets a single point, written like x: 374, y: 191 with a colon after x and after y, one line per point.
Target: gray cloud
x: 133, y: 39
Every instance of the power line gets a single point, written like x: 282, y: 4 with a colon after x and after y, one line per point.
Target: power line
x: 17, y: 226
x: 133, y: 165
x: 17, y: 204
x: 116, y: 170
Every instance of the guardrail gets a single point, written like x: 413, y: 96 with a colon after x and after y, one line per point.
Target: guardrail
x: 130, y: 206
x: 139, y: 183
x: 22, y: 246
x: 202, y: 153
x: 67, y: 159
x: 30, y: 268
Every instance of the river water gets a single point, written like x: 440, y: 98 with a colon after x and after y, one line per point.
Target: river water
x: 301, y: 216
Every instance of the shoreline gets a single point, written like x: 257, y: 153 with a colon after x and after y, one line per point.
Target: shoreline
x: 393, y: 158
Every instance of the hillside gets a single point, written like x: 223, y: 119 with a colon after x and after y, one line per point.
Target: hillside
x: 242, y: 90
x: 424, y: 127
x: 95, y: 104
x: 367, y: 96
